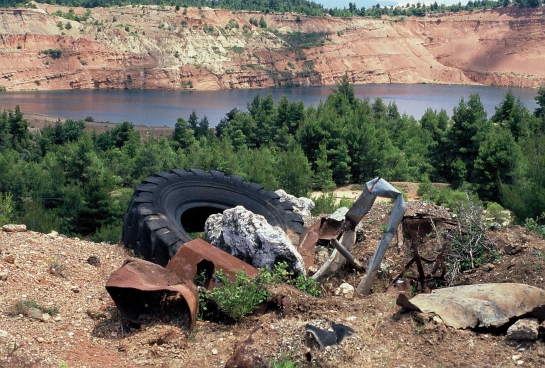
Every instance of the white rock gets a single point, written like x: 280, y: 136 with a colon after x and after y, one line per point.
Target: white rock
x: 251, y: 239
x: 301, y: 205
x: 338, y: 214
x: 523, y: 329
x: 3, y: 333
x: 14, y: 228
x: 4, y: 275
x: 214, y: 351
x: 45, y: 317
x: 345, y: 289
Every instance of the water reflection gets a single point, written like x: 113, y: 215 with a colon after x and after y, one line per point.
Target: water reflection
x: 162, y: 108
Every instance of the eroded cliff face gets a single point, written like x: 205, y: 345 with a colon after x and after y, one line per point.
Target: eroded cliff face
x: 160, y: 48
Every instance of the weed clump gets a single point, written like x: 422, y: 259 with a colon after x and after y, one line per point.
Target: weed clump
x: 243, y: 295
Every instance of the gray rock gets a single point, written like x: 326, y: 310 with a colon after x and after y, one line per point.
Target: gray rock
x: 4, y: 275
x: 249, y: 237
x: 13, y: 228
x: 524, y: 329
x: 301, y: 205
x: 34, y: 313
x: 338, y: 214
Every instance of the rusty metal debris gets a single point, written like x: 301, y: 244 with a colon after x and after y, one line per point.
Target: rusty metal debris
x: 199, y: 256
x: 420, y: 229
x: 374, y: 188
x: 138, y: 281
x: 481, y: 305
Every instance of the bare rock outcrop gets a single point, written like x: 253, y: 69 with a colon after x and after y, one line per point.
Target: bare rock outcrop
x: 152, y: 48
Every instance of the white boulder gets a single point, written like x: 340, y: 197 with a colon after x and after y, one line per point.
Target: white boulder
x: 250, y: 238
x: 301, y: 205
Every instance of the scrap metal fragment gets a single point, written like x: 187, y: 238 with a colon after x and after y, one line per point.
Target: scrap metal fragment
x: 481, y: 305
x: 381, y: 188
x: 139, y: 281
x: 346, y: 254
x: 198, y: 255
x: 326, y: 338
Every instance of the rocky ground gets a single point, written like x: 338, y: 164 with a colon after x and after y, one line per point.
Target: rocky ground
x: 66, y: 277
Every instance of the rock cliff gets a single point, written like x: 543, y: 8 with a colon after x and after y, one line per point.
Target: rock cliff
x: 152, y: 47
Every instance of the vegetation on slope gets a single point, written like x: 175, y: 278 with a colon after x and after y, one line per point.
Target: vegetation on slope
x: 298, y: 6
x: 66, y: 179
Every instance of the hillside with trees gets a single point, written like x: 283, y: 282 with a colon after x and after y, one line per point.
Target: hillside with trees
x: 79, y: 183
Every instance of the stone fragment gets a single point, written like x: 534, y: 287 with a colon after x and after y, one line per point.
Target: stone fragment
x: 34, y: 313
x: 338, y: 214
x: 251, y: 239
x: 346, y: 290
x: 523, y: 329
x: 13, y: 228
x: 75, y: 289
x: 214, y: 351
x: 3, y: 333
x: 93, y: 261
x: 57, y: 318
x: 301, y: 205
x: 10, y: 259
x: 45, y: 317
x: 53, y: 234
x: 4, y: 275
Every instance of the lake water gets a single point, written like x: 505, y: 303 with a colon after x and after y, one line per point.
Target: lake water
x: 162, y: 108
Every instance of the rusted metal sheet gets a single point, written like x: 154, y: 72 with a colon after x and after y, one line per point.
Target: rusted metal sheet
x: 138, y: 280
x: 481, y: 305
x: 323, y: 229
x: 307, y: 244
x: 199, y: 256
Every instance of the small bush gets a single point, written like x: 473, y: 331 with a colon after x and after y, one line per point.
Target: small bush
x: 238, y: 298
x: 110, y: 234
x: 53, y: 53
x: 243, y: 296
x: 324, y: 204
x: 469, y: 244
x: 56, y: 267
x: 285, y: 361
x: 6, y: 208
x: 496, y: 213
x: 23, y: 306
x: 533, y: 225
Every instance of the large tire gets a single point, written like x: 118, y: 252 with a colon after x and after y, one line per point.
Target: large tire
x: 168, y: 205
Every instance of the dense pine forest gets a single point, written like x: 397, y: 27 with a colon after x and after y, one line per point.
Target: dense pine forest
x: 79, y: 183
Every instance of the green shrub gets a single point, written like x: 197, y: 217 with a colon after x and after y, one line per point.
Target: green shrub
x: 22, y: 307
x: 37, y: 218
x: 110, y: 234
x: 324, y: 204
x: 496, y: 213
x: 245, y: 294
x: 346, y: 202
x: 238, y: 298
x: 533, y: 225
x: 6, y: 208
x: 285, y: 361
